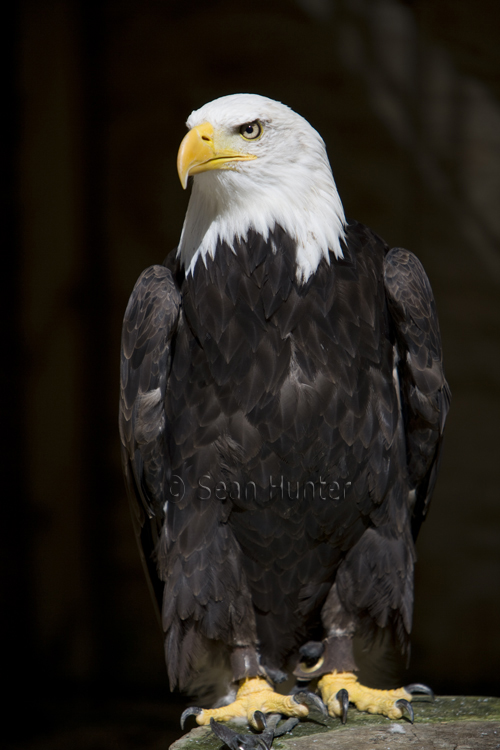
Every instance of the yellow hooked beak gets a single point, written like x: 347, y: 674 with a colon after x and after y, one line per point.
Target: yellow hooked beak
x: 198, y: 152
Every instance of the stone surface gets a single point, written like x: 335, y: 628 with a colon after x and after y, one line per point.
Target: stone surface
x: 449, y: 723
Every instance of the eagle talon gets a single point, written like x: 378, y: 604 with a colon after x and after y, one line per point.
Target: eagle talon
x: 391, y: 703
x: 343, y: 698
x: 259, y: 720
x: 191, y: 711
x: 406, y: 708
x: 255, y: 697
x: 236, y: 741
x: 287, y: 726
x: 310, y: 699
x: 417, y: 687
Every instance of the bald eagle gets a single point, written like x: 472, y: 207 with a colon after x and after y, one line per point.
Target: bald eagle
x: 282, y: 410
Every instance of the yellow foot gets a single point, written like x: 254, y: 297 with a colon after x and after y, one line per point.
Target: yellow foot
x: 254, y: 694
x: 338, y: 688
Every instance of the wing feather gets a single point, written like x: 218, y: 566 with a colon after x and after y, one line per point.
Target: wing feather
x: 148, y: 327
x: 425, y: 394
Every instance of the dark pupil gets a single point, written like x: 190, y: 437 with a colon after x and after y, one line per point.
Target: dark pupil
x: 250, y: 130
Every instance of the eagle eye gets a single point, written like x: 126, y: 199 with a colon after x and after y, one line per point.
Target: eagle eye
x: 251, y: 130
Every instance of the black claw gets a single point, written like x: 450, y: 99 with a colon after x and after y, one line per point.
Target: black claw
x: 311, y: 699
x: 287, y: 726
x: 262, y: 741
x: 311, y: 652
x: 237, y: 741
x: 260, y: 720
x: 192, y: 711
x: 343, y: 698
x: 406, y: 707
x: 417, y: 687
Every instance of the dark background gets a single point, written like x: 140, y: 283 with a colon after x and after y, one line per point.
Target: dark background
x: 407, y: 97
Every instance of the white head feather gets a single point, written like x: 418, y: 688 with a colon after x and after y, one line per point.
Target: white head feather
x: 290, y: 183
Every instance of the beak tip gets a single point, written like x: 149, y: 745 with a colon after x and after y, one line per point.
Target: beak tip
x: 183, y: 177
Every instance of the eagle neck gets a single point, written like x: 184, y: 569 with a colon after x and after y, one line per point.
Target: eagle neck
x: 223, y: 208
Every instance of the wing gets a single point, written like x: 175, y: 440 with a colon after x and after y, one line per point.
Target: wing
x: 149, y: 325
x: 425, y: 395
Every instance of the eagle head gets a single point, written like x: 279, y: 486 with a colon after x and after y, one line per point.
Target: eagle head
x: 256, y: 164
